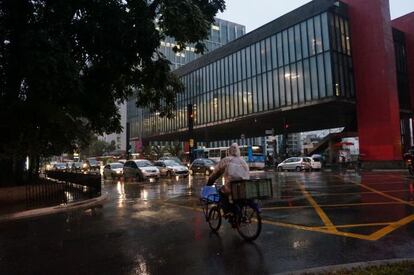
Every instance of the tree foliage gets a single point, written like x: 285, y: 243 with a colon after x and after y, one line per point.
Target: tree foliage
x: 97, y: 147
x: 65, y: 64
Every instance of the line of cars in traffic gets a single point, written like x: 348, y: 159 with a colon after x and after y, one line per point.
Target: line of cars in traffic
x: 142, y: 169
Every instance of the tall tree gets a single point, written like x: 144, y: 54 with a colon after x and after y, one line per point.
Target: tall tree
x: 65, y: 64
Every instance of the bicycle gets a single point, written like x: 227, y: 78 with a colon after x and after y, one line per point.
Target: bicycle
x: 245, y: 212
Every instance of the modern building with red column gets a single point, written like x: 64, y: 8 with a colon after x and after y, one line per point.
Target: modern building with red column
x: 377, y: 101
x: 324, y: 65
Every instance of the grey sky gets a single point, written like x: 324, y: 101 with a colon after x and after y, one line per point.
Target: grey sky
x: 254, y: 14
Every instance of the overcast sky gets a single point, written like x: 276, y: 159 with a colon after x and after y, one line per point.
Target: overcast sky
x: 255, y: 13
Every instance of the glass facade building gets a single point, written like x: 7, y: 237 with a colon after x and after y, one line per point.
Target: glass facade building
x: 221, y: 33
x: 278, y: 66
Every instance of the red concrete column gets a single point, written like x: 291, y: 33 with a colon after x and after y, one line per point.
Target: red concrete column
x: 378, y: 110
x: 406, y: 25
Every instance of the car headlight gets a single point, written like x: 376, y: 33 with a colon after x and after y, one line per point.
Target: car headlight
x: 211, y: 168
x: 118, y: 172
x: 84, y: 165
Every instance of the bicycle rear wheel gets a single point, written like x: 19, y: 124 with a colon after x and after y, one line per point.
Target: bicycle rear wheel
x: 214, y: 219
x: 249, y: 224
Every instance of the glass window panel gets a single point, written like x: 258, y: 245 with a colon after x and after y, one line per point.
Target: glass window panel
x: 280, y: 50
x: 307, y: 78
x: 341, y: 75
x: 348, y: 38
x: 287, y: 78
x: 292, y: 50
x: 264, y: 86
x: 245, y: 98
x: 231, y: 91
x: 338, y: 34
x: 311, y: 38
x: 298, y: 43
x: 270, y: 90
x: 314, y: 77
x: 243, y: 64
x: 249, y: 96
x: 258, y: 57
x: 214, y: 76
x: 238, y: 65
x: 263, y: 55
x: 285, y: 47
x: 321, y: 74
x: 301, y: 88
x: 208, y: 77
x: 253, y: 57
x: 274, y: 51
x: 318, y: 34
x: 227, y: 95
x: 346, y: 76
x: 276, y: 88
x: 248, y: 63
x: 236, y: 99
x: 259, y: 93
x: 343, y: 35
x: 231, y: 71
x: 254, y: 94
x: 325, y: 31
x: 268, y: 55
x: 294, y: 83
x: 304, y: 35
x: 328, y: 75
x: 240, y: 98
x: 282, y: 91
x: 332, y: 37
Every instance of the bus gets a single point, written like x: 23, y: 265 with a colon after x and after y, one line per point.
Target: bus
x: 252, y: 154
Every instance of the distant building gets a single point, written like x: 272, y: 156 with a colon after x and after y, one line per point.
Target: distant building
x: 118, y: 138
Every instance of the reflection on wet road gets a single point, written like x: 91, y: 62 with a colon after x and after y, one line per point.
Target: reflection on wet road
x: 314, y: 219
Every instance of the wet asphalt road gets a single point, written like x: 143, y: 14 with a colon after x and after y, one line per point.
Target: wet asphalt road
x: 314, y: 219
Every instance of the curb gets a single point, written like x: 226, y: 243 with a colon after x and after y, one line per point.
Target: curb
x: 54, y: 209
x: 333, y: 268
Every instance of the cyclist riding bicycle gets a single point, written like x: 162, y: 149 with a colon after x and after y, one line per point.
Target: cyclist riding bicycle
x: 233, y: 168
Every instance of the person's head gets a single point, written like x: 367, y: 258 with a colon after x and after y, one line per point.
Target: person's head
x: 234, y: 150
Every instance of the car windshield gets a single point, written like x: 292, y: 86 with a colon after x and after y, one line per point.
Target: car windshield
x: 209, y: 162
x: 317, y: 159
x: 143, y: 163
x: 171, y: 163
x: 60, y: 165
x: 93, y: 161
x: 116, y: 165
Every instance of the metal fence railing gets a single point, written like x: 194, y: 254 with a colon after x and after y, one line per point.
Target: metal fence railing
x: 61, y: 188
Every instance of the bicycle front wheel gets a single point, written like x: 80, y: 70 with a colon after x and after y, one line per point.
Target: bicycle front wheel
x: 214, y: 219
x: 249, y: 224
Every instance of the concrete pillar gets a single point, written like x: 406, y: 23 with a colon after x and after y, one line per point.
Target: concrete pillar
x: 378, y: 111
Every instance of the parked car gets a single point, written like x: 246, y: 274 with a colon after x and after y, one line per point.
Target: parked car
x: 203, y: 166
x: 140, y: 169
x: 171, y: 168
x: 295, y: 164
x: 316, y: 163
x: 113, y: 170
x: 60, y: 166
